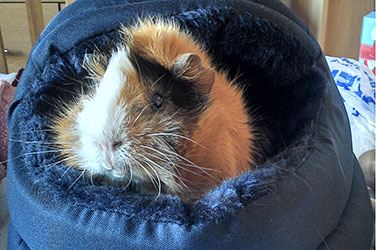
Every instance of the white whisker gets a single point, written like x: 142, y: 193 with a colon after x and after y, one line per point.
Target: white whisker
x: 140, y: 114
x: 58, y: 162
x: 33, y: 131
x: 160, y: 167
x: 33, y: 142
x: 168, y: 161
x: 176, y: 135
x: 159, y: 180
x: 130, y: 168
x: 160, y: 78
x: 32, y: 153
x: 148, y: 173
x: 170, y: 117
x: 157, y: 151
x: 178, y: 165
x: 83, y: 171
x: 66, y: 171
x: 192, y: 164
x: 91, y: 179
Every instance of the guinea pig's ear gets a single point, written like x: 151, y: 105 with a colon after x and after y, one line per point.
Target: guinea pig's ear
x: 189, y: 66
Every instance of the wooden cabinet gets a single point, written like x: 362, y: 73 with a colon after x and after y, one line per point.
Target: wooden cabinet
x: 335, y: 23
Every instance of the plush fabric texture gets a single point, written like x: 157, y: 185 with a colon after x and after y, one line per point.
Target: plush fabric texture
x: 306, y: 164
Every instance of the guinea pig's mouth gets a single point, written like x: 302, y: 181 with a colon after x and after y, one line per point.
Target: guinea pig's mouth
x: 124, y: 174
x: 118, y: 173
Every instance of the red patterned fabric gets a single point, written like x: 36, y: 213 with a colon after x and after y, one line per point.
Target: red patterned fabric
x: 6, y: 96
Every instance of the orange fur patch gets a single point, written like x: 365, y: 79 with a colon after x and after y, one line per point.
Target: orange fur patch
x: 162, y: 41
x: 225, y: 136
x: 65, y: 136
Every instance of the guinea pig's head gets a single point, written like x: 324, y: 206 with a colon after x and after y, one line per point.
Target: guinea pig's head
x: 138, y: 118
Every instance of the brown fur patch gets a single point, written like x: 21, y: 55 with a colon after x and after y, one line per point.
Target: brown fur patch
x: 161, y: 41
x: 65, y: 135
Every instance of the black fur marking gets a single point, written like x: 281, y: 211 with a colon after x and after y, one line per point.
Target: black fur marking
x: 162, y: 81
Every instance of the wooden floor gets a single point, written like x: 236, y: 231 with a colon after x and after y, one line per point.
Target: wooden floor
x: 15, y: 30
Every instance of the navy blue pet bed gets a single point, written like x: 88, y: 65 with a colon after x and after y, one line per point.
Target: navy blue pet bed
x: 307, y: 191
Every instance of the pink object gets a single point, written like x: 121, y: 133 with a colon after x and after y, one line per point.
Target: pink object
x: 368, y: 42
x: 6, y: 97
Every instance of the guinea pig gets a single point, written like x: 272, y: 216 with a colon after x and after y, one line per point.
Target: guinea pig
x: 159, y: 116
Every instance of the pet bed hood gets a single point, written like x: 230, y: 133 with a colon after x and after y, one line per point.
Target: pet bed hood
x: 309, y: 194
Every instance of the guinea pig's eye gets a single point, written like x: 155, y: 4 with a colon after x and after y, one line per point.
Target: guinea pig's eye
x: 158, y: 101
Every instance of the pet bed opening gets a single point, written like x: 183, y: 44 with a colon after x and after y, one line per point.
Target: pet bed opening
x: 282, y: 87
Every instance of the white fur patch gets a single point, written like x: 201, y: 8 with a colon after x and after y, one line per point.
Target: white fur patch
x: 101, y: 120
